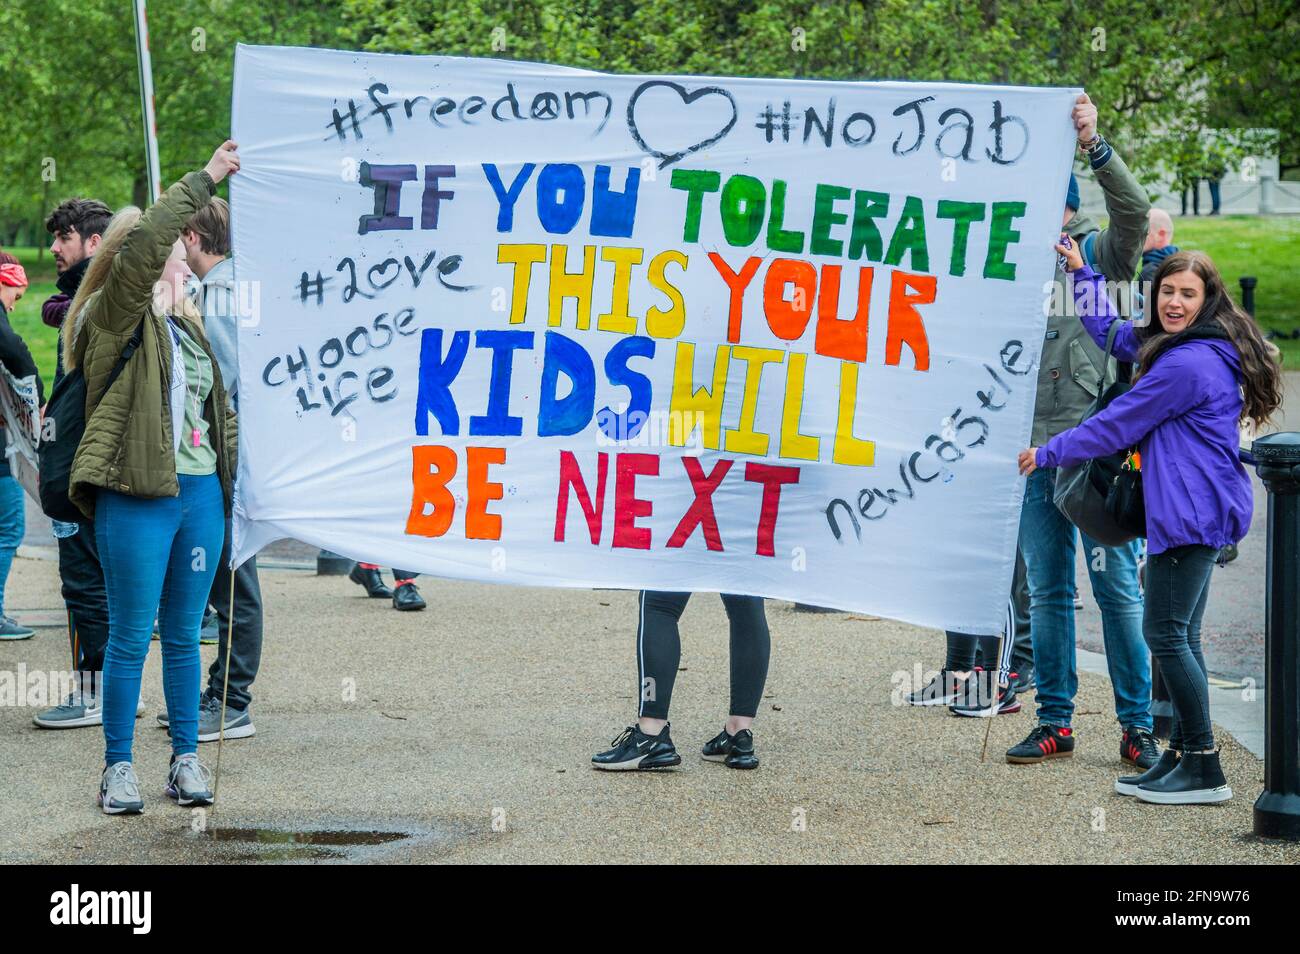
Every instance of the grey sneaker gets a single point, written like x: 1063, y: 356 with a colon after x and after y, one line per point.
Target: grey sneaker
x: 81, y: 709
x: 189, y: 781
x: 119, y: 792
x: 239, y: 724
x: 10, y: 628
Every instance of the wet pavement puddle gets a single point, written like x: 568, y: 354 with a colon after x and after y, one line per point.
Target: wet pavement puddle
x: 331, y: 840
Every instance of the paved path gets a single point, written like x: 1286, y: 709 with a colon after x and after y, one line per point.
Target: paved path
x: 472, y: 724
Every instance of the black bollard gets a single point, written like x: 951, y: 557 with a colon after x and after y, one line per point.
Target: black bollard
x: 1277, y: 810
x: 1248, y: 294
x: 331, y: 564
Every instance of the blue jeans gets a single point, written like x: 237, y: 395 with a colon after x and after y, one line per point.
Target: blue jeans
x: 13, y: 522
x: 1047, y: 540
x: 160, y: 556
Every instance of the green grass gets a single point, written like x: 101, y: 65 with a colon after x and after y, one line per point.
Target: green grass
x: 1266, y: 247
x: 26, y: 318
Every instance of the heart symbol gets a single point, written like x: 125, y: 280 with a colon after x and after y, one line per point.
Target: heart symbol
x: 381, y: 270
x: 688, y: 98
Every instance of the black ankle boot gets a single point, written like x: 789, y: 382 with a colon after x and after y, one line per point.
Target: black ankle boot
x: 1127, y: 784
x: 1196, y: 780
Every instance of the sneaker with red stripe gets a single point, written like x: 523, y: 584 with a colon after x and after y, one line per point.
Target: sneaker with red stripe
x: 1139, y: 748
x: 1045, y: 742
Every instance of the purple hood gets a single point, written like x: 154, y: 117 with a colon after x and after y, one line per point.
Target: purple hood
x: 1183, y: 416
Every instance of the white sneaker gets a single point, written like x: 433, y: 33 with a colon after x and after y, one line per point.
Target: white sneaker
x: 119, y: 792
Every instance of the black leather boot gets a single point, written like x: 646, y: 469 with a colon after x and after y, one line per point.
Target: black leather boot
x: 1127, y: 784
x: 1196, y: 780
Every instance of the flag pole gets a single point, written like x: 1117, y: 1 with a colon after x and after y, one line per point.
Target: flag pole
x: 145, y: 67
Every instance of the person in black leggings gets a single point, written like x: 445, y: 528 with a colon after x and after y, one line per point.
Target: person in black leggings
x: 647, y: 745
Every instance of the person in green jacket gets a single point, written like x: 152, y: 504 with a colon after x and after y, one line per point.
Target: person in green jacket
x: 154, y: 470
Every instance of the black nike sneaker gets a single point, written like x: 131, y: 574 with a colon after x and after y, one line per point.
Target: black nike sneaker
x: 635, y: 751
x: 1138, y: 747
x: 980, y: 701
x: 943, y: 690
x: 1045, y: 742
x: 735, y: 751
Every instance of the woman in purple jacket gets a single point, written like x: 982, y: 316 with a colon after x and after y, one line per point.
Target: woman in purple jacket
x: 1201, y: 369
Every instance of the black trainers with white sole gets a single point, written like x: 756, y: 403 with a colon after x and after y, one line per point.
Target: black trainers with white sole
x: 734, y: 751
x: 943, y: 690
x: 980, y: 701
x: 635, y: 751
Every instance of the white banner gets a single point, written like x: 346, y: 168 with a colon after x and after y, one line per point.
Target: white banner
x: 20, y: 408
x: 528, y: 324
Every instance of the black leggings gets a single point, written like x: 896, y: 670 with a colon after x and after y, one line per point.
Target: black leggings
x: 961, y: 652
x: 1177, y: 589
x: 659, y: 651
x: 961, y: 646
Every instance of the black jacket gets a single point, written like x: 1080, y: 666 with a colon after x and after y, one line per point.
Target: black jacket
x: 56, y: 307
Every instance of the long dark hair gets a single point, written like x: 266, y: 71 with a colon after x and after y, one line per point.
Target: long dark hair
x: 1218, y: 317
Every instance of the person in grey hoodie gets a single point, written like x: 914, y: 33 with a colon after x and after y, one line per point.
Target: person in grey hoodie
x: 206, y: 238
x: 1070, y: 376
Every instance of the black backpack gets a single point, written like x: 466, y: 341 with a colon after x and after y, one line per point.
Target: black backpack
x: 65, y: 413
x: 1083, y: 493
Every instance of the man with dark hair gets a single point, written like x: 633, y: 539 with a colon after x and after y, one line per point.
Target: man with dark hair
x: 77, y: 226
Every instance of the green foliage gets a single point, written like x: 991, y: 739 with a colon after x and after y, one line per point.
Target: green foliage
x: 69, y: 73
x: 1264, y: 247
x: 1159, y: 73
x: 26, y: 316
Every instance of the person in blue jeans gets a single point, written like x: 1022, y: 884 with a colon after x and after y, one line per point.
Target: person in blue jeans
x: 1070, y: 375
x: 154, y: 471
x: 1050, y: 542
x: 12, y: 525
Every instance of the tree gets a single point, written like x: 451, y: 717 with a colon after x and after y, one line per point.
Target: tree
x: 79, y: 131
x: 1160, y: 73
